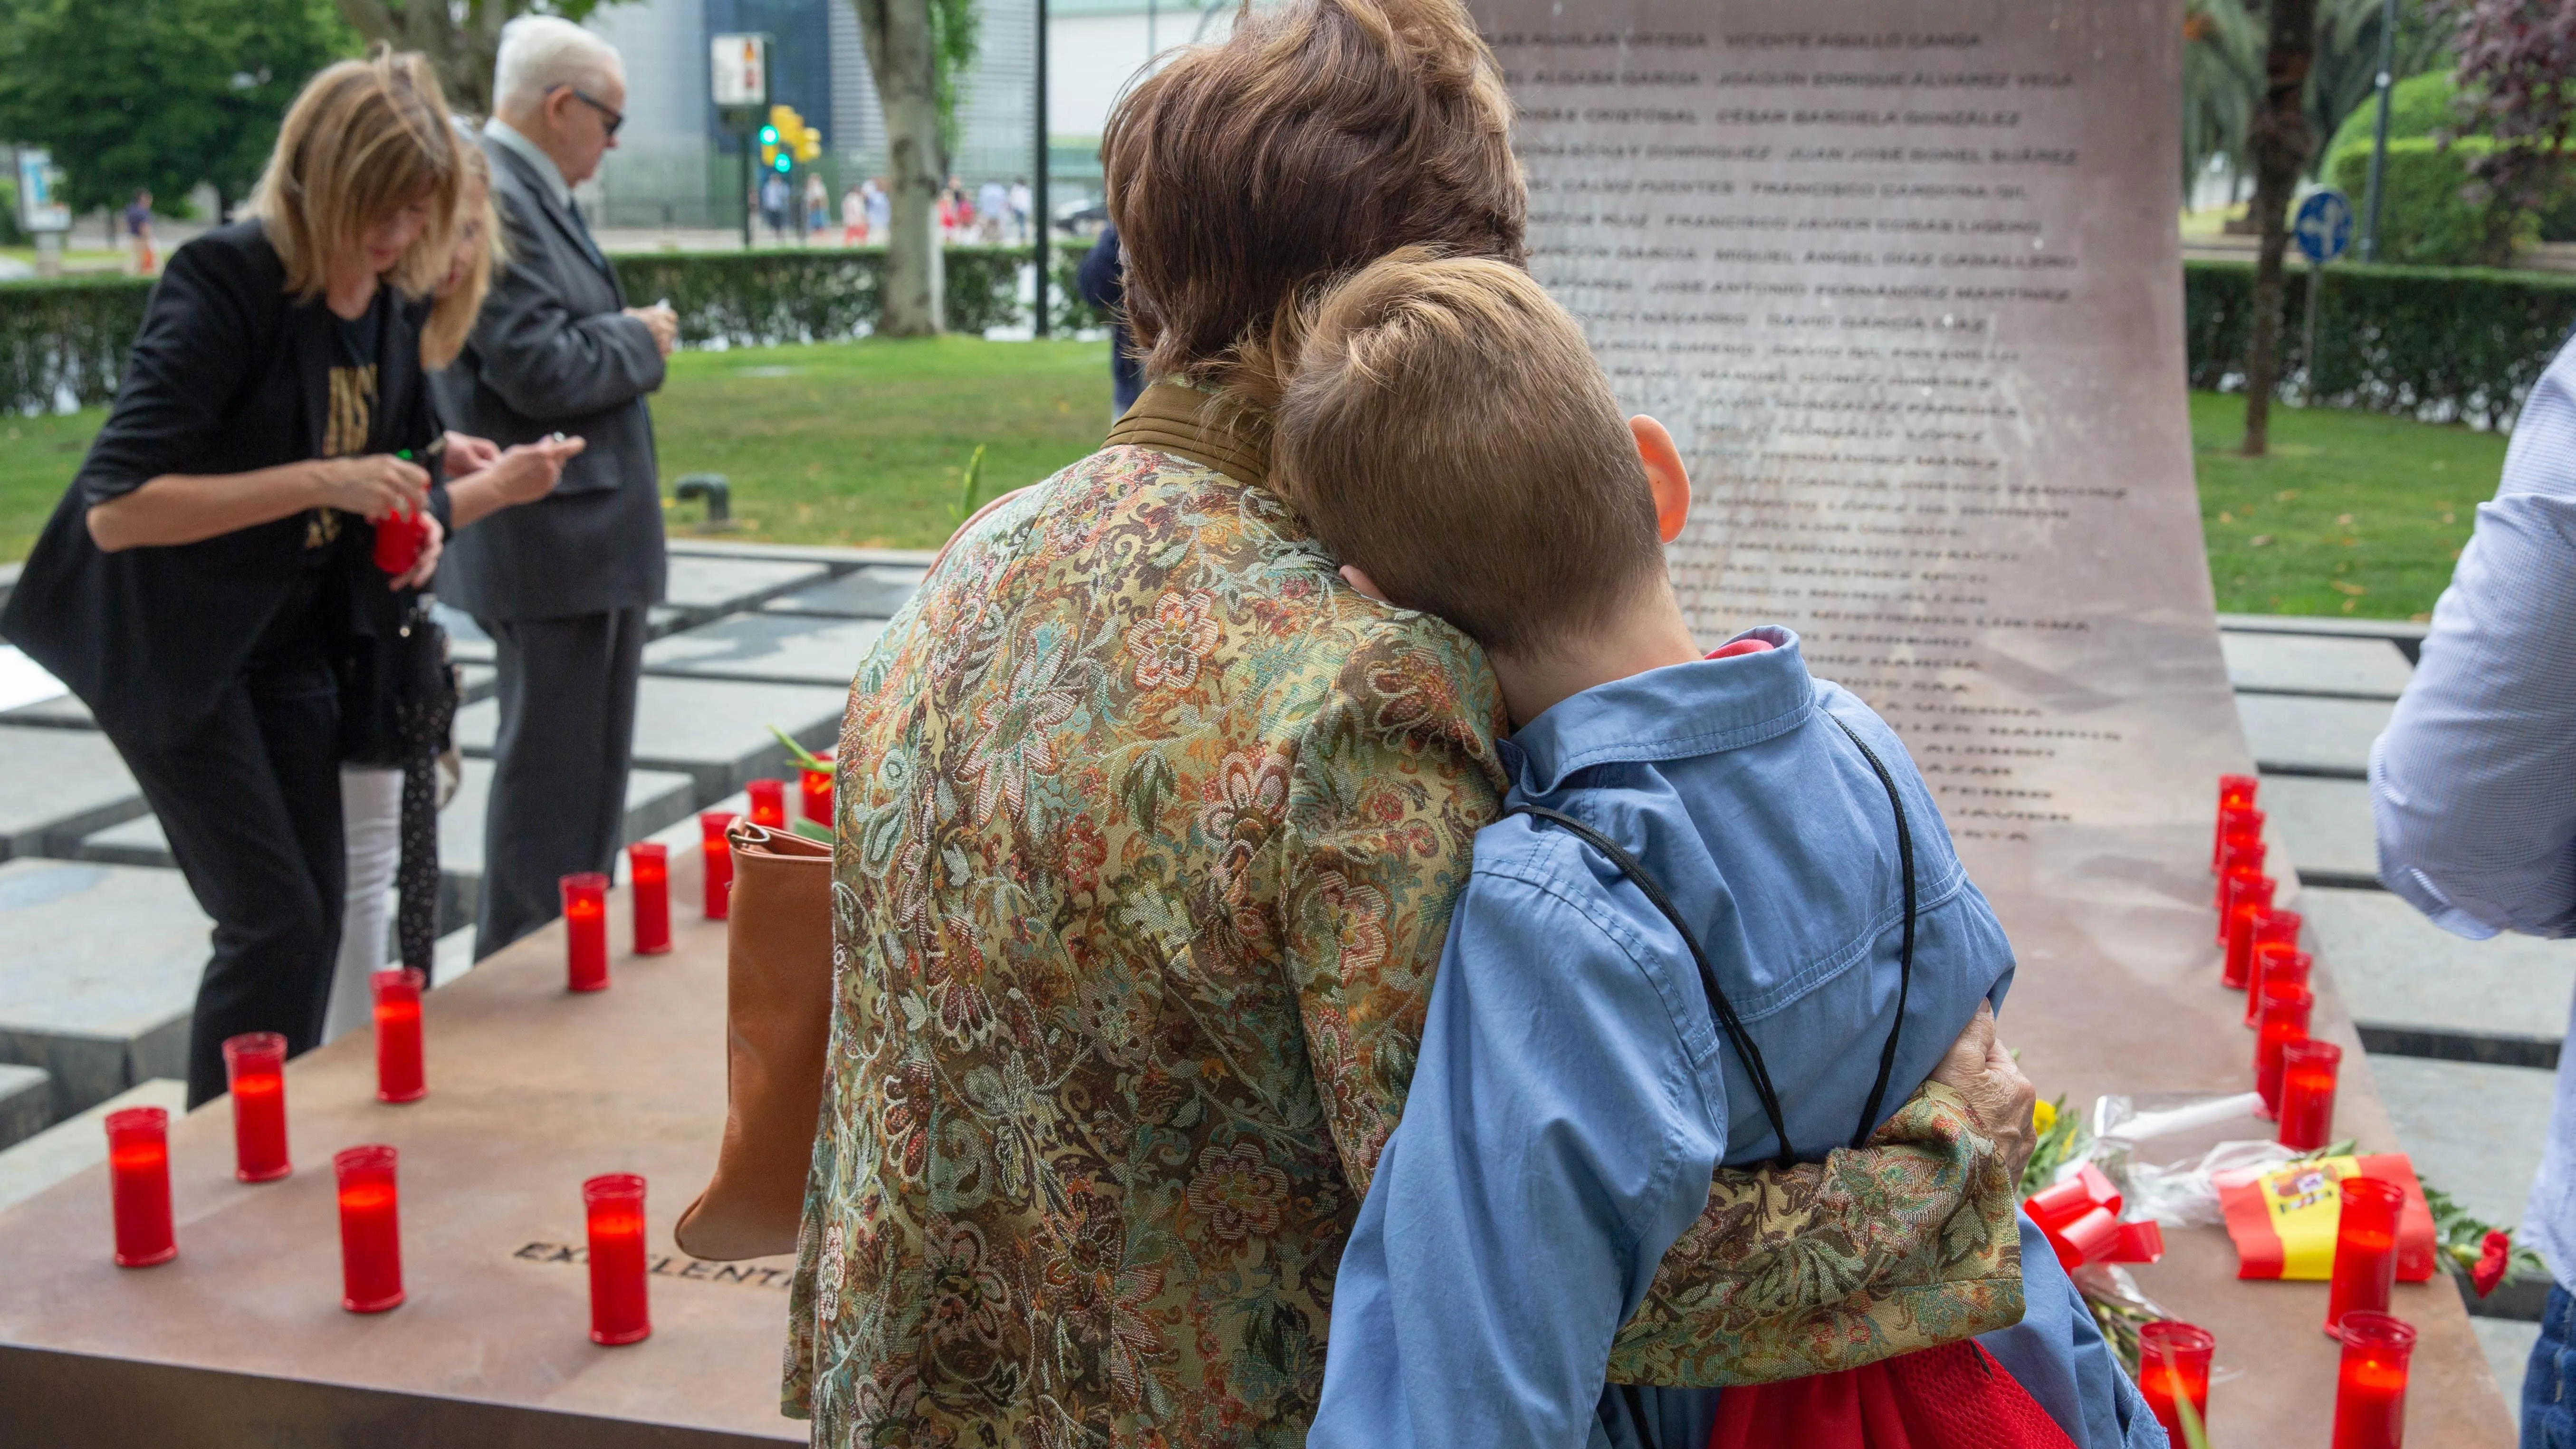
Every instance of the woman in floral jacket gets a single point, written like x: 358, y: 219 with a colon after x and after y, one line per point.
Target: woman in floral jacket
x: 1149, y: 832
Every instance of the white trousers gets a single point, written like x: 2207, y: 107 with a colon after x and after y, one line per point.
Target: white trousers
x: 371, y: 818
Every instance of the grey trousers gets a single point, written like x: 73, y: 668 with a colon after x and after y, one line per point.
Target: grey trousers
x: 567, y: 697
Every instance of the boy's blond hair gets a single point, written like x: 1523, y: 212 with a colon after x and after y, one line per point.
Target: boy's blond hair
x: 364, y: 139
x: 1444, y: 428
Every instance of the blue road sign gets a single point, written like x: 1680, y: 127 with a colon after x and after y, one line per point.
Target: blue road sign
x: 2323, y: 226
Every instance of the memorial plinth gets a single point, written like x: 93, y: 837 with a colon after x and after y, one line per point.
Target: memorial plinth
x: 1904, y: 282
x: 241, y: 1338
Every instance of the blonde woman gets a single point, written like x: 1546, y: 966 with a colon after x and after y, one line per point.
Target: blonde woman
x: 199, y: 580
x: 383, y: 836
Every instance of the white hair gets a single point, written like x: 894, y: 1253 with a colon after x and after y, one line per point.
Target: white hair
x: 541, y: 52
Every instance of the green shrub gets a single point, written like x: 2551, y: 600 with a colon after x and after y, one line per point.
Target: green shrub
x: 2458, y: 344
x: 2423, y: 218
x: 2418, y: 106
x: 65, y: 341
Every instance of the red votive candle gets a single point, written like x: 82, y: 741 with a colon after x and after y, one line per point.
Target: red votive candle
x: 585, y: 908
x: 399, y: 1073
x: 399, y: 535
x: 2240, y: 852
x: 2308, y: 1093
x: 2173, y: 1368
x: 719, y: 855
x: 648, y: 868
x: 2365, y: 1260
x: 370, y: 1230
x: 2235, y: 793
x: 2286, y: 1005
x: 255, y: 1067
x: 618, y: 1311
x: 816, y: 787
x: 2248, y: 901
x: 2370, y: 1387
x: 2275, y: 942
x: 138, y: 1179
x: 768, y: 803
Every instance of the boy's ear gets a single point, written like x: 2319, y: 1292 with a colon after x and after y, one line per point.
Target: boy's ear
x: 1358, y: 579
x: 1664, y: 474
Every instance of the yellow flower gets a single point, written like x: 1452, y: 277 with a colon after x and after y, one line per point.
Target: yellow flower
x: 2043, y: 1115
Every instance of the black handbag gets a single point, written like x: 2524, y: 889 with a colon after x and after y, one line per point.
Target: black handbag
x: 398, y: 700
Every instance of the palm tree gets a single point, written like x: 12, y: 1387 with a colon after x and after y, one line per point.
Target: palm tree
x: 2222, y: 81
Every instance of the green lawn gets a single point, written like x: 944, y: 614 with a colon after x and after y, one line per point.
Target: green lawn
x: 866, y: 442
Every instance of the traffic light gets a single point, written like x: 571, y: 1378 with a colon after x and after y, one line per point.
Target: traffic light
x: 787, y: 140
x: 769, y: 146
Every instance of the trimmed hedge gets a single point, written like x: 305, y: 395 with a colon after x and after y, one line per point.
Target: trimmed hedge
x: 2422, y: 219
x: 65, y: 341
x: 2444, y: 344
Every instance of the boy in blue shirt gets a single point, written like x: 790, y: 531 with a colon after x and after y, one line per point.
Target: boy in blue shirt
x: 1720, y: 910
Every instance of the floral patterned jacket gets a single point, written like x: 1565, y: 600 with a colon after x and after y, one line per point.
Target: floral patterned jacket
x: 1149, y: 831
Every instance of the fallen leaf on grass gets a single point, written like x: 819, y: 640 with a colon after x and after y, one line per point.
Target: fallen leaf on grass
x: 2258, y: 540
x: 2340, y: 587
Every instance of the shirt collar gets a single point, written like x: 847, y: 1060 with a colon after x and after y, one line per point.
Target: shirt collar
x: 1206, y: 428
x: 510, y: 138
x: 1700, y: 708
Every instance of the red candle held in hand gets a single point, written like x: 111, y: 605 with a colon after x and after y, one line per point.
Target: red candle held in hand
x: 2273, y: 960
x: 2370, y: 1386
x: 370, y: 1230
x: 399, y: 536
x: 768, y: 803
x: 2285, y: 1019
x: 585, y: 908
x: 719, y: 861
x: 2248, y: 901
x: 816, y: 787
x: 2244, y: 856
x: 2365, y: 1260
x: 2308, y: 1093
x: 648, y: 867
x: 255, y: 1066
x: 618, y: 1312
x: 2173, y: 1367
x: 2235, y: 792
x: 399, y: 1073
x: 138, y: 1177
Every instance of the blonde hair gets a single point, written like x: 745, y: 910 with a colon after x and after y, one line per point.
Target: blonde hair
x: 1445, y: 428
x: 452, y: 314
x: 364, y: 139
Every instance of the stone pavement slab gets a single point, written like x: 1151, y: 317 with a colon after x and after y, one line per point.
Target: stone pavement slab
x: 2508, y: 1349
x: 78, y: 1141
x: 63, y: 711
x: 2310, y: 664
x: 466, y: 641
x: 708, y: 586
x: 2324, y: 825
x: 57, y: 785
x: 26, y: 1102
x: 715, y: 731
x: 2402, y: 974
x: 2300, y: 734
x: 778, y: 648
x: 873, y: 592
x: 2473, y: 1131
x: 100, y: 977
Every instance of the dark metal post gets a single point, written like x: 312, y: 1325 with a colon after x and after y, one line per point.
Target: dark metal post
x: 1038, y: 212
x: 2379, y: 138
x: 747, y: 134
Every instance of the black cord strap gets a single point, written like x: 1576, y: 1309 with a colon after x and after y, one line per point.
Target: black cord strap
x: 1724, y: 1010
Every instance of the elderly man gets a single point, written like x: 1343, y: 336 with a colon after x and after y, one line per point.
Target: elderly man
x: 563, y: 584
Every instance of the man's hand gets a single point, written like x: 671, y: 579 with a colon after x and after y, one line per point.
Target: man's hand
x: 1978, y: 1068
x: 433, y: 540
x: 662, y: 322
x: 370, y: 487
x: 529, y: 471
x: 469, y: 454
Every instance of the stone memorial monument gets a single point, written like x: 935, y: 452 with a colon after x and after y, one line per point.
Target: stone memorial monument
x: 1905, y: 283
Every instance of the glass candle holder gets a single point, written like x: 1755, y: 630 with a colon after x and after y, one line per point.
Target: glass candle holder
x: 712, y: 826
x: 2273, y: 961
x: 370, y: 1230
x: 2308, y: 1070
x: 614, y: 1204
x: 2248, y: 901
x: 585, y: 908
x: 255, y: 1070
x: 2244, y: 854
x: 2173, y: 1368
x: 399, y: 536
x: 768, y: 803
x: 138, y: 1180
x: 2365, y: 1260
x: 2284, y: 1020
x: 2370, y: 1385
x: 2235, y: 792
x: 814, y: 787
x: 400, y: 1076
x: 648, y: 869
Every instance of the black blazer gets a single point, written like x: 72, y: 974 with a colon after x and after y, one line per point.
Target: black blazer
x: 554, y: 352
x: 228, y: 375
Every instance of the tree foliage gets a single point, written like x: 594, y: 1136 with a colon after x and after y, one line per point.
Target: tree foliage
x: 956, y: 33
x: 2224, y: 43
x: 158, y: 94
x: 460, y: 37
x: 2516, y: 58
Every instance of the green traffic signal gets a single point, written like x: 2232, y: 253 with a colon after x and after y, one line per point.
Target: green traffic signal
x: 785, y: 164
x: 769, y: 135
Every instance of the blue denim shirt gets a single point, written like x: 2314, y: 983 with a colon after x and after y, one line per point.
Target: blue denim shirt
x: 1573, y: 1098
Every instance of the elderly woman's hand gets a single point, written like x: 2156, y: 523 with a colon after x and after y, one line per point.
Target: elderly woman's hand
x: 1978, y: 1068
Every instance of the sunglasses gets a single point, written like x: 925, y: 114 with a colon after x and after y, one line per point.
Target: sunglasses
x: 610, y: 117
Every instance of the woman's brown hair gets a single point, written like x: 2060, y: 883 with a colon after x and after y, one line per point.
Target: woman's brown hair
x: 451, y: 316
x: 364, y: 139
x: 1316, y: 138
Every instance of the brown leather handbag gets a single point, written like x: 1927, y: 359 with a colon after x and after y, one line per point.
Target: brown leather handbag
x: 778, y: 1023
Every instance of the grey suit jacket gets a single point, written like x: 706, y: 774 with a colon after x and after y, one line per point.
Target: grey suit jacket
x: 552, y: 352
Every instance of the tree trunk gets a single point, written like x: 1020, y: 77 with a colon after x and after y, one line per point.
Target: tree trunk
x: 461, y: 53
x: 2279, y: 141
x: 897, y: 32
